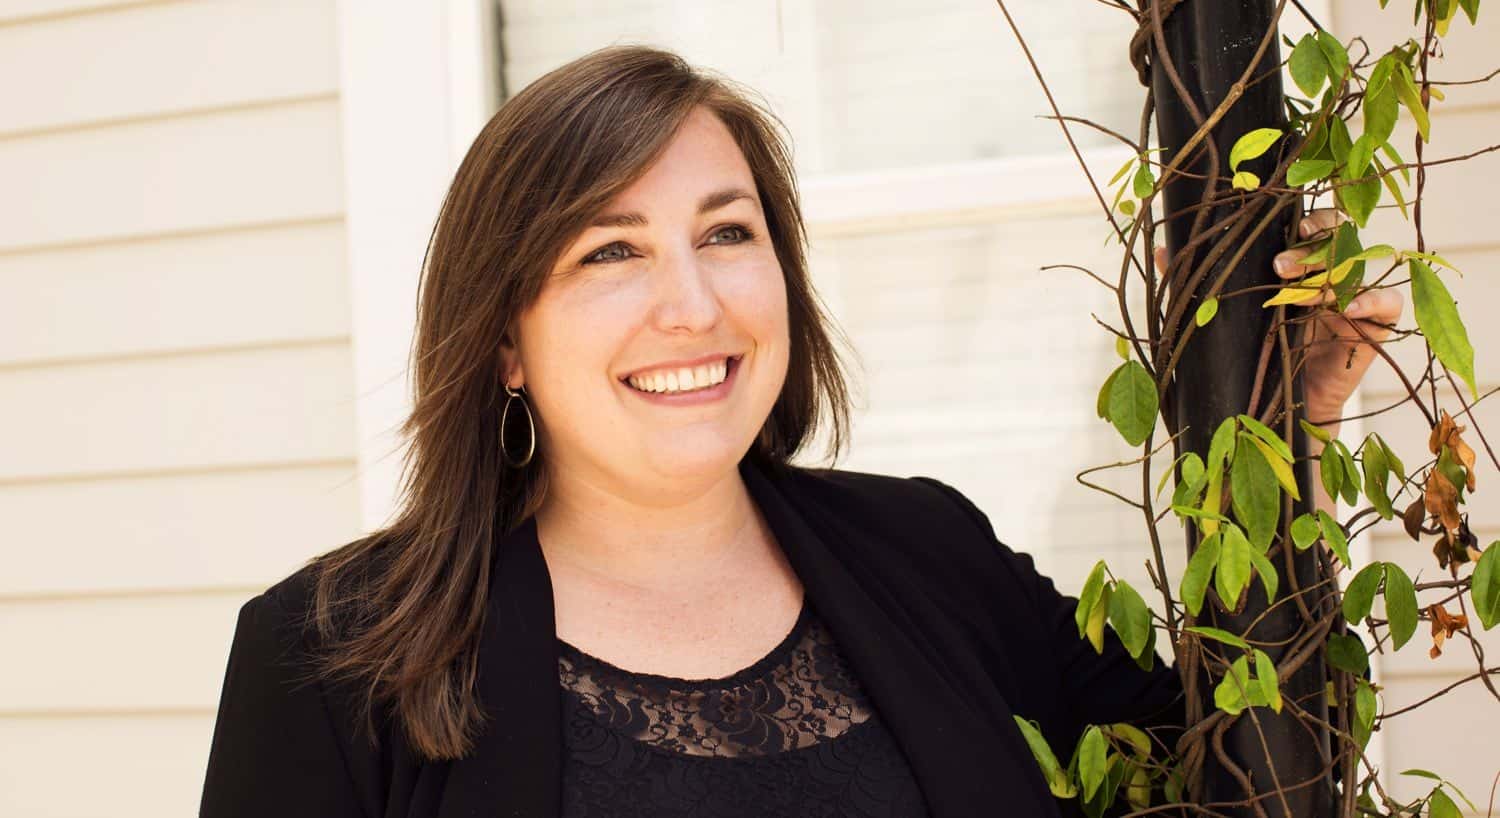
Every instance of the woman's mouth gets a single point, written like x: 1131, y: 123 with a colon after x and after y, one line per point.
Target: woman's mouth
x: 686, y: 385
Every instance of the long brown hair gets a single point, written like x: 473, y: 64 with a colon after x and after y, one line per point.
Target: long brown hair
x: 399, y: 612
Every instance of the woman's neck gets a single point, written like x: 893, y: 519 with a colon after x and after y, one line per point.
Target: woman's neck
x: 650, y: 539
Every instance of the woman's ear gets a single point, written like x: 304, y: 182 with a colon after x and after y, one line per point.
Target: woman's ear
x: 512, y: 374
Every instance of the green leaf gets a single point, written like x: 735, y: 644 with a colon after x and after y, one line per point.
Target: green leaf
x: 1221, y: 636
x: 1380, y: 76
x: 1146, y: 659
x: 1334, y: 52
x: 1127, y: 207
x: 1252, y: 145
x: 1144, y: 182
x: 1267, y: 572
x: 1347, y: 653
x: 1381, y: 111
x: 1392, y: 460
x: 1351, y: 487
x: 1339, y: 140
x: 1206, y: 311
x: 1359, y: 597
x: 1057, y: 779
x: 1133, y: 403
x: 1305, y: 531
x: 1359, y: 199
x: 1091, y: 761
x: 1400, y: 604
x: 1376, y: 475
x: 1245, y: 180
x: 1273, y: 439
x: 1120, y: 174
x: 1316, y: 431
x: 1094, y: 807
x: 1189, y: 489
x: 1280, y: 468
x: 1364, y: 712
x: 1333, y: 535
x: 1439, y: 805
x: 1201, y: 513
x: 1391, y: 153
x: 1233, y: 572
x: 1199, y: 568
x: 1406, y: 90
x: 1093, y: 587
x: 1437, y: 317
x: 1303, y: 171
x: 1346, y: 244
x: 1221, y: 447
x: 1130, y: 617
x: 1132, y: 735
x: 1360, y: 154
x: 1265, y: 676
x: 1189, y: 471
x: 1471, y: 9
x: 1422, y: 773
x: 1486, y: 586
x: 1254, y: 493
x: 1331, y: 469
x: 1122, y: 347
x: 1101, y: 405
x: 1232, y: 695
x: 1308, y: 66
x: 1098, y: 614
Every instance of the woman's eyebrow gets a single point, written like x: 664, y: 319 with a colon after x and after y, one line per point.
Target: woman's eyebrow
x: 712, y: 201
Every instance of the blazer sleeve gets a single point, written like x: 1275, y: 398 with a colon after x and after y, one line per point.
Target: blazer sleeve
x: 1088, y: 687
x: 274, y: 750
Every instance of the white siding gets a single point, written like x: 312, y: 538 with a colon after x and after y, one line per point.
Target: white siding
x: 175, y: 374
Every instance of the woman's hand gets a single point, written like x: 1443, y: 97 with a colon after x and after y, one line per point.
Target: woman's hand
x: 1331, y: 375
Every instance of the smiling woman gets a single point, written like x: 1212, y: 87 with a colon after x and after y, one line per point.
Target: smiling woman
x: 608, y: 591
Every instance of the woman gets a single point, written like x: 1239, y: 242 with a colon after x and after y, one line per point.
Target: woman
x: 607, y: 592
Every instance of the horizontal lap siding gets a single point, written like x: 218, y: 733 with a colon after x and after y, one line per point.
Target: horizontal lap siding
x: 176, y: 384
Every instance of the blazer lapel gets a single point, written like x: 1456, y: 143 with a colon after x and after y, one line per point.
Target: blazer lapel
x: 516, y: 766
x: 963, y: 763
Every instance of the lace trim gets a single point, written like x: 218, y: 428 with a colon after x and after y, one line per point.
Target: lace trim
x: 799, y: 694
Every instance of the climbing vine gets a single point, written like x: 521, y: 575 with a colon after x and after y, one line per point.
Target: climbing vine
x: 1234, y: 498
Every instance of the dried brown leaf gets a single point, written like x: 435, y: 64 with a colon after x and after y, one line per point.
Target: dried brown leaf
x: 1441, y: 499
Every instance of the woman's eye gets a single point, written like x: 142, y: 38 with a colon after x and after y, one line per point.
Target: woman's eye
x: 743, y: 231
x: 603, y: 254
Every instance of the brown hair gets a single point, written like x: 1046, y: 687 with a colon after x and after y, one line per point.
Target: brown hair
x: 399, y: 612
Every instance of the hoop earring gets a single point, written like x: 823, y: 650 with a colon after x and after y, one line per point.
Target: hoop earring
x: 530, y: 425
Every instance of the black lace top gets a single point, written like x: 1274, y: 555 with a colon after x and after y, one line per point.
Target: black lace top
x: 791, y: 735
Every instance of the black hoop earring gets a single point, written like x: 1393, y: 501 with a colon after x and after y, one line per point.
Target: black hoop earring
x: 530, y: 425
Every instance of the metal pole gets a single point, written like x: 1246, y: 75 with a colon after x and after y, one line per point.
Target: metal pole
x: 1210, y: 44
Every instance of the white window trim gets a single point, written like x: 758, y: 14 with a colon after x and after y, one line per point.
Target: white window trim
x: 415, y: 87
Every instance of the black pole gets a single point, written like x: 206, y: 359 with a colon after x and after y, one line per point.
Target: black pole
x: 1209, y: 44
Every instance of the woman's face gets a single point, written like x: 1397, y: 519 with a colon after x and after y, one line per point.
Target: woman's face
x: 678, y: 273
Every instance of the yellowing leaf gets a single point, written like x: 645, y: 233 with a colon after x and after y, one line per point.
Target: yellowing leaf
x: 1282, y: 471
x: 1206, y: 311
x: 1252, y: 145
x: 1245, y: 180
x: 1304, y: 290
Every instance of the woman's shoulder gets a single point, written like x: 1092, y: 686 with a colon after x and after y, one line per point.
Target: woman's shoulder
x: 932, y: 524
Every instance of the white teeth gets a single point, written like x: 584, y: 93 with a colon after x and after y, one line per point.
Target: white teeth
x: 682, y: 380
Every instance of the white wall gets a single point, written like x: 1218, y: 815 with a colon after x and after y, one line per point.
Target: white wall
x: 176, y: 384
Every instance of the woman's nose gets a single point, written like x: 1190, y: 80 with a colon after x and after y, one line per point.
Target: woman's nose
x: 685, y: 298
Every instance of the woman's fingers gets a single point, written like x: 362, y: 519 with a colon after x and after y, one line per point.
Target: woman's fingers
x: 1289, y: 264
x: 1319, y: 221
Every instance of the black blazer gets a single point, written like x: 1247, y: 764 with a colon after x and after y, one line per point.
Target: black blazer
x: 950, y: 631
